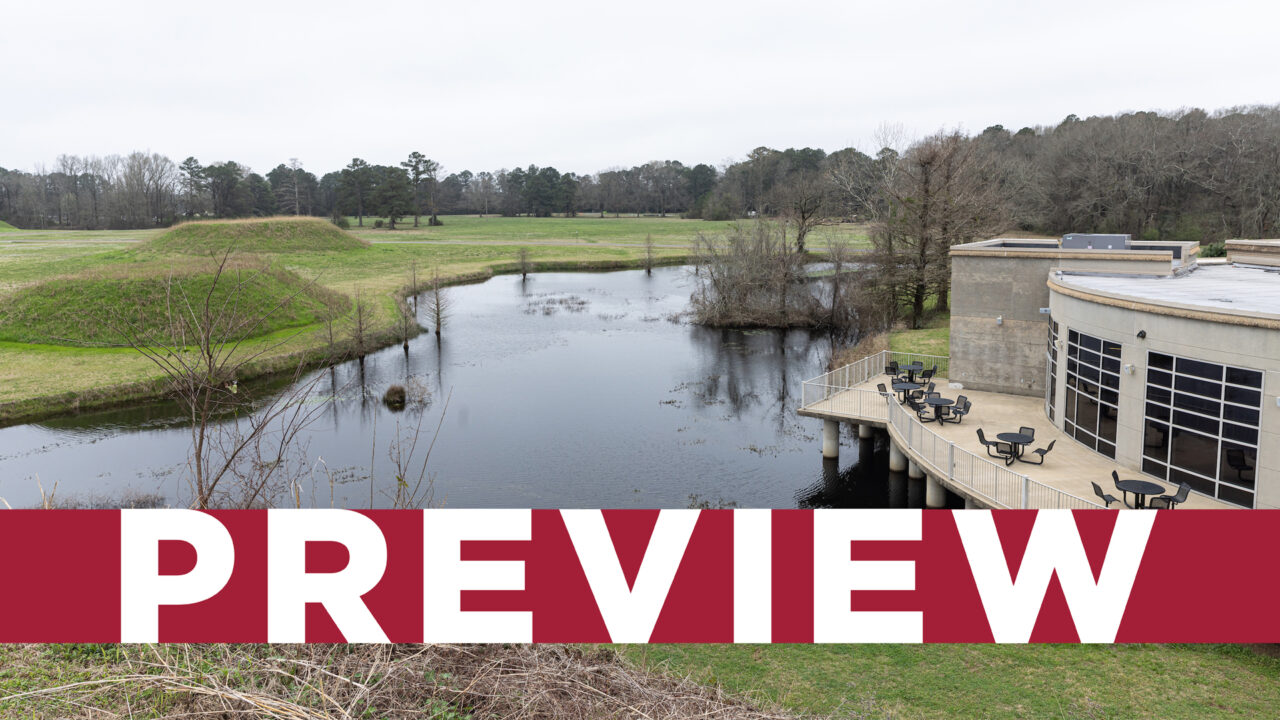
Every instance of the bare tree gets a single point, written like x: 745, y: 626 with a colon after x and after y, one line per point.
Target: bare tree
x: 239, y: 448
x: 438, y: 302
x: 358, y: 325
x: 803, y: 201
x: 938, y: 194
x: 524, y: 263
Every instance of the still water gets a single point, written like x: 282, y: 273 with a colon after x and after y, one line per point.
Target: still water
x: 565, y: 390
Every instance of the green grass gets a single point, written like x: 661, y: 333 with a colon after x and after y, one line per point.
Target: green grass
x: 98, y: 307
x: 258, y: 235
x: 932, y: 339
x: 6, y: 227
x: 587, y: 229
x: 987, y: 681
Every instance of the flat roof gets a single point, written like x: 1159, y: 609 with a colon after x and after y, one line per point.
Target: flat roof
x: 1226, y: 289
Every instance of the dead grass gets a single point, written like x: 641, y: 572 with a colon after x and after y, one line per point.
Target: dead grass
x: 345, y: 682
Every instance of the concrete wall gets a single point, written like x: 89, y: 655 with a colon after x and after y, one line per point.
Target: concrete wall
x: 1006, y: 357
x: 1252, y: 347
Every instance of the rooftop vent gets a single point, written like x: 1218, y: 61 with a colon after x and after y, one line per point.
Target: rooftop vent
x: 1094, y: 241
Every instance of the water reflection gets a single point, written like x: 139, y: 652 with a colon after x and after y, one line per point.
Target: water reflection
x: 568, y: 390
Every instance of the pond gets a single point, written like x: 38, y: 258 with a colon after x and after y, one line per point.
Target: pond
x: 565, y: 390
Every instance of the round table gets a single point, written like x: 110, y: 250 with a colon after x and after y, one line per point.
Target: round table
x: 1140, y: 489
x: 905, y: 388
x: 912, y: 369
x: 1017, y: 440
x: 938, y: 403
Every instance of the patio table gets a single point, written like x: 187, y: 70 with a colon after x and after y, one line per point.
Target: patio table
x: 1140, y: 489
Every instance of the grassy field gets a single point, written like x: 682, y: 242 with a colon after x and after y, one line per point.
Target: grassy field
x: 6, y: 227
x: 590, y: 230
x: 1090, y: 682
x: 43, y: 374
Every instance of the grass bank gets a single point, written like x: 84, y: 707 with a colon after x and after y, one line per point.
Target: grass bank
x: 42, y: 376
x: 925, y: 682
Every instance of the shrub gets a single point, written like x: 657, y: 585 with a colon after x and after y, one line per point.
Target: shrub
x: 395, y: 397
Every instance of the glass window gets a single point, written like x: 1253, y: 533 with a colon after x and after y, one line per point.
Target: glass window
x: 1206, y: 433
x: 1093, y: 382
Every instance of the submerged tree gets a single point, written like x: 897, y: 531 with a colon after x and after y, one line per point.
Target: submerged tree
x: 437, y: 302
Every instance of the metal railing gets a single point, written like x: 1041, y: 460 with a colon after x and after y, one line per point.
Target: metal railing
x: 837, y: 392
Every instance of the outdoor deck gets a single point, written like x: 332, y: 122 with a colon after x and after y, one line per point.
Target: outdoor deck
x: 1063, y: 480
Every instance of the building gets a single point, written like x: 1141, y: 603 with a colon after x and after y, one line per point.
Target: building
x: 1143, y: 352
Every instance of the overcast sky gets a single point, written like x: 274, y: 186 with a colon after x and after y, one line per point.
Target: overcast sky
x: 589, y: 85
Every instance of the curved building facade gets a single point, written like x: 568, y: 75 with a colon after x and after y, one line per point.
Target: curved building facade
x: 1173, y: 371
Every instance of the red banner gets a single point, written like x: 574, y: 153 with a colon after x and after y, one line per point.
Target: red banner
x: 640, y: 576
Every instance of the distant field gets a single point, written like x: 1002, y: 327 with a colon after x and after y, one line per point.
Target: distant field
x: 589, y: 230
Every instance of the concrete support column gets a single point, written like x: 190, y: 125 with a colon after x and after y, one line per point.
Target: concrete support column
x: 897, y: 490
x: 897, y: 459
x: 866, y: 432
x: 913, y: 470
x: 830, y: 439
x: 969, y: 504
x: 935, y: 495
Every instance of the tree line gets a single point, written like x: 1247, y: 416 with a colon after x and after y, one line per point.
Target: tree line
x: 1185, y: 175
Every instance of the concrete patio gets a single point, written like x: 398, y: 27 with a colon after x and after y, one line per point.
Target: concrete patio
x: 1070, y: 467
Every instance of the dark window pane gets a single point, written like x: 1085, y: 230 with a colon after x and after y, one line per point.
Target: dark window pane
x: 1089, y: 373
x: 1152, y: 467
x: 1111, y: 349
x: 1087, y: 413
x: 1156, y: 377
x: 1194, y: 452
x: 1107, y: 449
x: 1199, y: 387
x: 1111, y: 381
x: 1164, y: 362
x: 1242, y: 376
x: 1107, y: 424
x: 1090, y: 358
x: 1197, y: 483
x: 1197, y: 403
x: 1159, y: 394
x: 1155, y: 440
x: 1110, y: 396
x: 1248, y: 416
x: 1195, y: 422
x: 1073, y: 336
x: 1252, y: 398
x: 1239, y: 465
x: 1205, y: 370
x: 1069, y: 409
x: 1089, y: 342
x: 1159, y: 412
x: 1073, y: 366
x: 1073, y: 351
x: 1243, y: 498
x: 1240, y: 433
x: 1111, y: 365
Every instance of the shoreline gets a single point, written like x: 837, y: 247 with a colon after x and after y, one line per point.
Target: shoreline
x: 314, y: 355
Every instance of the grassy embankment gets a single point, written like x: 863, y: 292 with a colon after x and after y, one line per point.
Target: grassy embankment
x: 44, y: 374
x: 6, y: 227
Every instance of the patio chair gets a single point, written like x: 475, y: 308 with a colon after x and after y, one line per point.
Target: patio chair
x: 1041, y: 452
x: 922, y: 412
x: 1159, y: 503
x: 1107, y: 498
x: 1028, y: 431
x: 923, y: 392
x: 884, y: 391
x: 891, y: 369
x: 956, y: 412
x: 1115, y: 477
x: 928, y: 374
x: 1003, y: 451
x: 1172, y: 501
